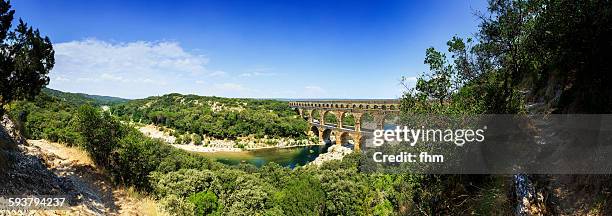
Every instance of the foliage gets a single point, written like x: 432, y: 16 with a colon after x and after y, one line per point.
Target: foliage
x: 182, y: 182
x: 542, y: 55
x: 100, y: 133
x: 25, y: 59
x: 345, y: 192
x: 46, y: 117
x: 174, y: 175
x: 205, y: 203
x: 50, y: 116
x: 215, y: 116
x: 197, y: 139
x: 135, y: 157
x: 438, y: 86
x: 175, y: 205
x: 301, y: 195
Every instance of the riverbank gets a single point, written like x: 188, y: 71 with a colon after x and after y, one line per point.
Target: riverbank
x: 205, y: 149
x: 211, y: 144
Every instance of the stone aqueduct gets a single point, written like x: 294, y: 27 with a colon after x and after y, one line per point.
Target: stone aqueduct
x: 339, y: 108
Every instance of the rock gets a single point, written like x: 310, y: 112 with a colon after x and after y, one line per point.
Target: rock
x: 335, y: 152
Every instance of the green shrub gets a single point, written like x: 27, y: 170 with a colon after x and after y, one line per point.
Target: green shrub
x: 197, y: 139
x: 100, y: 133
x: 136, y: 157
x: 205, y: 203
x: 302, y: 195
x: 179, y: 159
x: 181, y: 183
x: 242, y: 193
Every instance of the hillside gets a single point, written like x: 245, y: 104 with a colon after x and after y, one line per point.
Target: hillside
x: 49, y: 116
x: 214, y: 116
x: 81, y: 98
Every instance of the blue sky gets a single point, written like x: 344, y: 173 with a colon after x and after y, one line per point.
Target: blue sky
x: 261, y: 49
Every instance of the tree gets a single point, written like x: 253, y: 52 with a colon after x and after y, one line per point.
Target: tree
x: 25, y: 59
x: 438, y: 85
x: 100, y: 133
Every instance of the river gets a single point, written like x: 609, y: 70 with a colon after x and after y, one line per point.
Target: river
x: 287, y: 157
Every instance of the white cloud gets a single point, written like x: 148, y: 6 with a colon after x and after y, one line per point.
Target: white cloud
x: 134, y: 69
x: 256, y: 73
x: 217, y: 73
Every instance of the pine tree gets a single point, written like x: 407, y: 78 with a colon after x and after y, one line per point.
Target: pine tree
x: 25, y: 59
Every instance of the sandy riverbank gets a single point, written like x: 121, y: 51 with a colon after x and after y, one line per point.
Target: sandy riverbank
x: 195, y: 148
x: 210, y: 144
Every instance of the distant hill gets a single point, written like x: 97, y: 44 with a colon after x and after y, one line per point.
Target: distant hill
x: 81, y: 98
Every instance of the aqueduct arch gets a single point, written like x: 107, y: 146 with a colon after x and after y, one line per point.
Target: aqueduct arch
x: 325, y: 135
x: 314, y: 130
x: 341, y: 110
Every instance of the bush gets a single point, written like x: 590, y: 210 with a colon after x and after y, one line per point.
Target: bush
x: 136, y: 157
x: 205, y: 203
x: 302, y: 195
x: 100, y: 133
x: 179, y: 159
x: 175, y: 205
x: 197, y: 139
x: 182, y: 183
x: 242, y: 193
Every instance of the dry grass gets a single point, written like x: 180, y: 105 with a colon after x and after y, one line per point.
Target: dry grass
x: 75, y: 155
x: 141, y: 204
x: 150, y: 207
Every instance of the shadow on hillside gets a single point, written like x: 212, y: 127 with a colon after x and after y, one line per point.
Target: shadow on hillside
x: 28, y: 174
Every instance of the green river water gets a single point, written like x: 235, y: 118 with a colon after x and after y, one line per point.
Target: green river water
x: 287, y: 157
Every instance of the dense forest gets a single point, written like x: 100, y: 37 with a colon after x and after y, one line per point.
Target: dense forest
x: 527, y: 57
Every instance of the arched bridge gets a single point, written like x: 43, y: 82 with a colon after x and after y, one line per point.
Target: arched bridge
x: 341, y: 109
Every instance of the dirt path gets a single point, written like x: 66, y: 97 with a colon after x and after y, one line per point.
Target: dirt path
x: 95, y: 193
